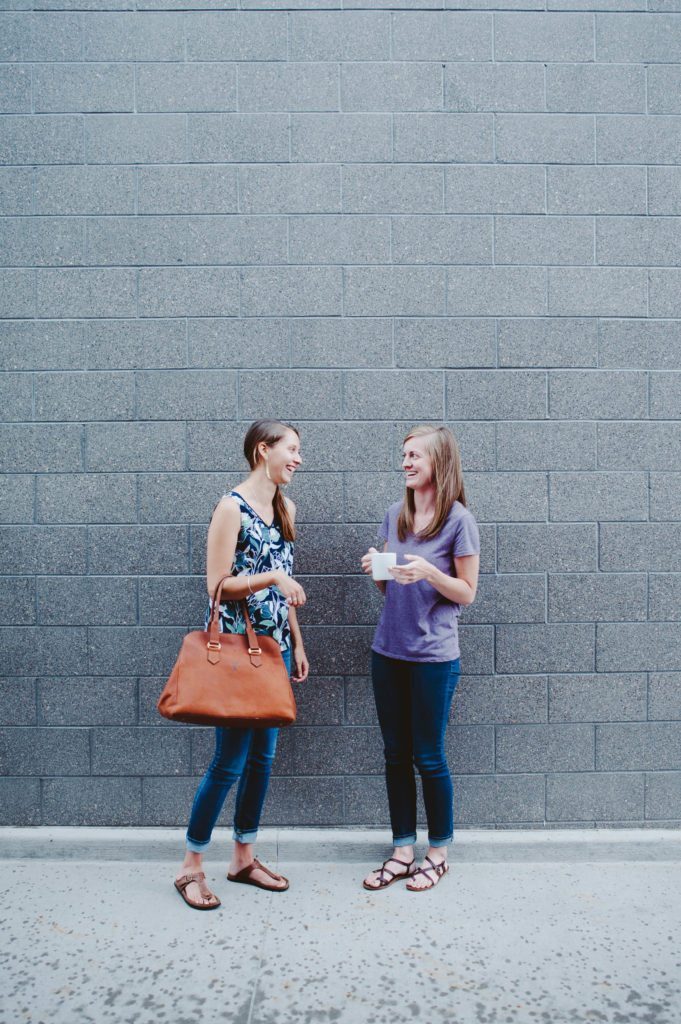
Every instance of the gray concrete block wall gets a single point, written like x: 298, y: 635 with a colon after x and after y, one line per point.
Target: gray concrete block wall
x: 356, y: 217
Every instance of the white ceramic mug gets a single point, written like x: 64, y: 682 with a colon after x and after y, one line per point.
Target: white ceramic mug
x: 380, y: 563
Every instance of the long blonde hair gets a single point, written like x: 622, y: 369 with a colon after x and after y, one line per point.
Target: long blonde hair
x: 444, y: 453
x: 269, y: 432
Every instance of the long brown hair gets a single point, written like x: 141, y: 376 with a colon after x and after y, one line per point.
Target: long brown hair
x: 444, y: 453
x: 270, y: 431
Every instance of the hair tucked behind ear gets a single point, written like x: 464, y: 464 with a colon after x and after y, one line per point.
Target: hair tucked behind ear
x: 269, y: 432
x: 443, y: 450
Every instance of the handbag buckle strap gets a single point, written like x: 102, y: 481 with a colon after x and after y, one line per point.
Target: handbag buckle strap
x: 254, y: 650
x: 214, y: 646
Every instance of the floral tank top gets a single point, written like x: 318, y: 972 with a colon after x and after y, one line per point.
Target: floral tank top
x: 259, y: 548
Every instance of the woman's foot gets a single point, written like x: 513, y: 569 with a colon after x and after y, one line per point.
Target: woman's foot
x: 196, y: 892
x: 399, y: 866
x: 433, y: 868
x: 243, y: 857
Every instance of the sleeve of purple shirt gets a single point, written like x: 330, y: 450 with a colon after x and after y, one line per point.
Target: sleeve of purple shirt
x: 466, y: 537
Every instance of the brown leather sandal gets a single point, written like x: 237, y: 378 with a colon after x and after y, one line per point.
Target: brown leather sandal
x: 383, y: 872
x: 200, y: 878
x: 440, y: 869
x: 245, y: 877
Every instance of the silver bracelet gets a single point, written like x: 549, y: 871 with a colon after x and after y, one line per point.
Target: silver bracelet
x: 248, y: 580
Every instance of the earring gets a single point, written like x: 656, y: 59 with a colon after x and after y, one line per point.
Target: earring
x: 267, y: 469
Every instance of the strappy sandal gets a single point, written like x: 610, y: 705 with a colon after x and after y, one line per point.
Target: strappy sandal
x: 245, y: 877
x: 440, y: 869
x: 383, y: 872
x: 200, y: 878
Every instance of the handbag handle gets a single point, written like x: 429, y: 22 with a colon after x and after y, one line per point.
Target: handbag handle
x: 214, y: 646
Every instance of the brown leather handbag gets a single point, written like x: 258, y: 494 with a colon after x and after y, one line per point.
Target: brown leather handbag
x: 228, y: 678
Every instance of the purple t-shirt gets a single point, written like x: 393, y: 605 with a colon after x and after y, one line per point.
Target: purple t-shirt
x: 417, y: 623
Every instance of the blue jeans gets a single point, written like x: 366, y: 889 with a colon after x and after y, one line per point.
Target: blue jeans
x: 413, y: 700
x: 243, y: 754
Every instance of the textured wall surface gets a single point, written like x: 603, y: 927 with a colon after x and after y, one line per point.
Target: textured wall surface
x: 355, y: 219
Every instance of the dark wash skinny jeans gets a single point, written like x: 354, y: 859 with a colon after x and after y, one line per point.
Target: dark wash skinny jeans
x: 413, y: 700
x: 243, y: 754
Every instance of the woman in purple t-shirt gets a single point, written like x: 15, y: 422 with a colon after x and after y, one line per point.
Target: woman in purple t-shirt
x: 415, y: 654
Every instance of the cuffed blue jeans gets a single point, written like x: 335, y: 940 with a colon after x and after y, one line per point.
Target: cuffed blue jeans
x: 243, y: 754
x: 413, y: 700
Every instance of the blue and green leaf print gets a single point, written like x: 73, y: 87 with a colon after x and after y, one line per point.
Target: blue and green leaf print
x: 259, y: 548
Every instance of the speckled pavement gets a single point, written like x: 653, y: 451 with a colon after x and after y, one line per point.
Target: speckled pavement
x: 526, y: 937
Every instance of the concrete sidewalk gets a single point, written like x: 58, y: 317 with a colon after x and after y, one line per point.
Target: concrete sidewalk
x: 559, y: 926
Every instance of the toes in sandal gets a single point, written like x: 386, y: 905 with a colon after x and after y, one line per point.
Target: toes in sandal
x: 245, y: 877
x: 200, y: 879
x: 439, y: 869
x: 383, y: 872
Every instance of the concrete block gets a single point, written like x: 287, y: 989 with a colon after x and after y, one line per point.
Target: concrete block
x: 95, y: 802
x: 340, y: 239
x: 17, y: 504
x: 169, y: 801
x: 341, y: 36
x: 289, y: 87
x: 341, y: 650
x: 39, y: 241
x: 496, y: 291
x: 129, y: 344
x: 596, y: 189
x: 597, y: 698
x: 637, y: 139
x: 136, y: 241
x: 236, y: 36
x: 84, y: 396
x: 663, y: 795
x: 133, y: 651
x: 41, y: 37
x: 237, y: 240
x: 485, y: 700
x: 602, y: 394
x: 179, y: 497
x: 549, y: 446
x: 418, y: 394
x: 20, y: 802
x: 142, y: 446
x: 169, y: 601
x: 77, y: 601
x: 290, y: 189
x: 445, y: 342
x: 544, y: 138
x: 442, y: 239
x: 543, y: 240
x: 44, y: 751
x: 631, y: 446
x: 513, y: 394
x: 596, y: 597
x: 596, y: 88
x: 215, y: 445
x: 664, y: 190
x: 638, y: 241
x: 545, y: 648
x: 86, y: 292
x: 638, y: 646
x: 88, y: 88
x: 337, y: 751
x: 495, y: 189
x: 16, y: 186
x: 637, y: 38
x: 86, y: 498
x: 38, y: 549
x: 291, y: 291
x: 600, y: 796
x: 41, y: 139
x: 665, y: 396
x: 664, y: 695
x: 313, y: 394
x: 368, y: 495
x: 652, y: 547
x: 630, y: 746
x: 504, y: 497
x: 639, y: 344
x: 133, y: 36
x: 597, y: 291
x: 135, y: 138
x: 470, y: 749
x: 389, y: 86
x: 495, y: 87
x: 15, y: 90
x: 304, y: 801
x: 137, y: 550
x: 17, y: 293
x: 665, y: 591
x: 84, y: 190
x: 188, y: 291
x: 333, y: 549
x: 87, y: 700
x: 393, y: 188
x: 517, y: 598
x: 16, y: 401
x: 477, y: 649
x: 492, y: 799
x: 29, y: 650
x: 394, y: 291
x: 17, y: 701
x: 35, y: 345
x: 172, y: 87
x: 346, y: 446
x: 233, y: 138
x: 187, y: 189
x: 549, y: 341
x: 140, y: 751
x: 544, y: 748
x: 598, y: 496
x: 537, y: 547
x: 664, y: 300
x: 535, y: 36
x: 665, y: 495
x: 334, y: 342
x: 449, y: 36
x: 184, y: 393
x: 216, y: 342
x: 442, y: 138
x: 334, y: 138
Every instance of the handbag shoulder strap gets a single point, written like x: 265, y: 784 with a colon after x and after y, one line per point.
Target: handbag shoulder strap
x: 214, y: 629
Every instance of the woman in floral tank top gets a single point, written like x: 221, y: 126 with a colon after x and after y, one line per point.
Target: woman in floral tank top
x: 250, y: 536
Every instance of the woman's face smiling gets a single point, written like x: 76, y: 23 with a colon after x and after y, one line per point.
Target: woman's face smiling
x: 284, y: 458
x: 416, y: 463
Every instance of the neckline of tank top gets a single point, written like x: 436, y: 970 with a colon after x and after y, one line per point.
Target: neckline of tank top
x: 256, y: 513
